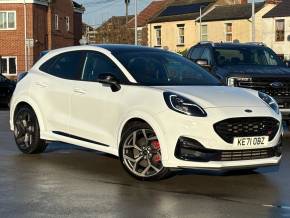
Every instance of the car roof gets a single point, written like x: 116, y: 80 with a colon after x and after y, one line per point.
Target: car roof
x: 114, y: 48
x: 231, y: 45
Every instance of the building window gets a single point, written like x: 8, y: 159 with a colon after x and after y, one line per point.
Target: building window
x: 56, y: 22
x: 7, y: 20
x: 204, y: 36
x: 67, y: 23
x: 158, y: 35
x: 229, y: 32
x: 280, y: 30
x: 8, y: 65
x: 181, y: 38
x: 140, y: 35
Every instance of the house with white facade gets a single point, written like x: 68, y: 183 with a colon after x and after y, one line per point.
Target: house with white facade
x: 276, y: 29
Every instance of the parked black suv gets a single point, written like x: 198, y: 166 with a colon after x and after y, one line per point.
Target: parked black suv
x: 251, y: 65
x: 6, y: 90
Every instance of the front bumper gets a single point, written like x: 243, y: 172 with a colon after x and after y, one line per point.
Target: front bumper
x: 174, y: 125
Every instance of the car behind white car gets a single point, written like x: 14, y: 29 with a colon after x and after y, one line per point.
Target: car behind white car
x: 154, y: 109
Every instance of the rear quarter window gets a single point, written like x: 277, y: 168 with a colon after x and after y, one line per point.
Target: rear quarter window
x: 66, y: 65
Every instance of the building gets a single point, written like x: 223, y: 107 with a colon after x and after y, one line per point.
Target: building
x: 28, y: 27
x: 113, y: 31
x: 174, y: 28
x: 276, y: 29
x: 143, y: 18
x: 178, y: 26
x: 229, y: 23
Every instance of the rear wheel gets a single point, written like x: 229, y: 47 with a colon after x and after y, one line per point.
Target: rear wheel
x: 140, y: 153
x: 27, y: 132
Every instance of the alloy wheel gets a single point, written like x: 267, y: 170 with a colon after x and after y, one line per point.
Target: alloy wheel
x: 24, y: 131
x: 141, y: 153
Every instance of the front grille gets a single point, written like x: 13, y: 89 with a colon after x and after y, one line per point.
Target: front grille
x: 281, y: 94
x: 247, y: 154
x: 247, y: 127
x: 267, y: 88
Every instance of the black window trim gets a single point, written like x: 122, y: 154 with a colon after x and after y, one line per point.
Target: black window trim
x: 126, y: 80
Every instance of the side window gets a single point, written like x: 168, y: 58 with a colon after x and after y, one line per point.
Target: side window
x: 66, y: 65
x: 196, y: 53
x: 96, y: 64
x: 207, y: 55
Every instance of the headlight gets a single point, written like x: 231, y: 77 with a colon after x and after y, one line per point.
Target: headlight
x: 270, y: 101
x: 232, y: 81
x: 183, y: 105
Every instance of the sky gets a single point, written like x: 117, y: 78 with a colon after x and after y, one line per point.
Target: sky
x: 98, y: 11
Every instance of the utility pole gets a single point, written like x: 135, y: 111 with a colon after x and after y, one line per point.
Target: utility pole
x: 136, y: 25
x: 200, y: 22
x: 127, y: 2
x: 253, y: 22
x: 25, y: 36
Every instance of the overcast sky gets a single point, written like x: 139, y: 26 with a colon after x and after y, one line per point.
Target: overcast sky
x: 98, y: 11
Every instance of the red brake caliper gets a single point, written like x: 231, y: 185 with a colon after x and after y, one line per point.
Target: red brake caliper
x: 156, y: 146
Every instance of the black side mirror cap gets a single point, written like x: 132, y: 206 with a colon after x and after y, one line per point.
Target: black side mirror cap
x: 109, y: 79
x: 204, y: 64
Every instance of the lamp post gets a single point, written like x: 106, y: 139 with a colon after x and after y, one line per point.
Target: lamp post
x: 136, y: 34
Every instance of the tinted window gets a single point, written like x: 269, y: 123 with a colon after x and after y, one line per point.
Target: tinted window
x: 207, y: 55
x: 196, y: 53
x: 96, y: 64
x: 164, y: 68
x: 247, y: 56
x: 66, y: 65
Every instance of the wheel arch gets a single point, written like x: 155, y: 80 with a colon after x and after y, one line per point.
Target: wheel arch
x: 146, y: 118
x: 27, y: 102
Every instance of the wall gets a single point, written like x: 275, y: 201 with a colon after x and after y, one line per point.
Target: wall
x: 169, y: 35
x: 282, y: 48
x: 12, y: 41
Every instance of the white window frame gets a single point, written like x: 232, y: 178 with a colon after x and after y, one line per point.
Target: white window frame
x: 67, y: 23
x: 179, y: 40
x: 8, y: 70
x: 204, y: 34
x: 158, y: 29
x: 15, y: 24
x: 228, y: 33
x: 56, y: 22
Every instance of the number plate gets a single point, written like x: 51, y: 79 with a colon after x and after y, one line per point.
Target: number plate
x: 251, y: 141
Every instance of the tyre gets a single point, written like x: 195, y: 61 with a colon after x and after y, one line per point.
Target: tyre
x: 140, y: 153
x: 27, y: 131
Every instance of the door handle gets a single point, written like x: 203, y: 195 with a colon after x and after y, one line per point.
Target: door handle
x: 41, y: 84
x: 80, y: 91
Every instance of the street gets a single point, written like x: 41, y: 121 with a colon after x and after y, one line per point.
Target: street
x: 69, y: 181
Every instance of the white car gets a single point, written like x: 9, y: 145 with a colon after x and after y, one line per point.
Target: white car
x: 154, y: 109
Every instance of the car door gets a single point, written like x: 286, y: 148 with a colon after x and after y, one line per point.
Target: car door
x: 95, y: 108
x: 52, y: 88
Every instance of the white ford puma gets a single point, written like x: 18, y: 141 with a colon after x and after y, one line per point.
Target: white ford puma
x: 154, y: 109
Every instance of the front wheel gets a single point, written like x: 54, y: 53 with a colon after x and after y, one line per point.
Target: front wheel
x: 27, y: 131
x: 140, y: 153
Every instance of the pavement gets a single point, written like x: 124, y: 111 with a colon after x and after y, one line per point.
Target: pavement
x: 69, y: 181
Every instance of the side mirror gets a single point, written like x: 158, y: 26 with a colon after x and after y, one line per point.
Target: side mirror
x: 110, y: 80
x: 203, y: 63
x: 287, y: 63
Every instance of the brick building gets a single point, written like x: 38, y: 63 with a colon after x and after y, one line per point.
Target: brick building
x: 49, y: 24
